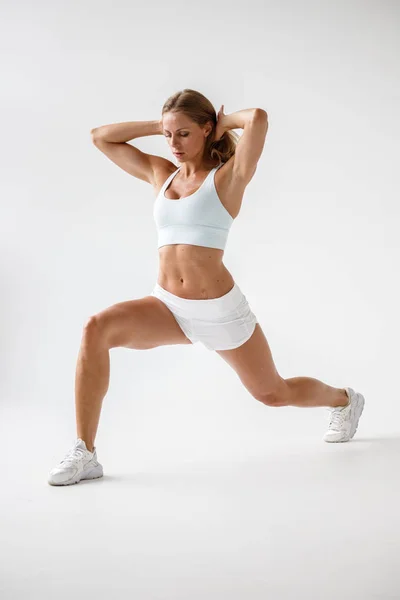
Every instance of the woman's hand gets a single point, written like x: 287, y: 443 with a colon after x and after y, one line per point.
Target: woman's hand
x: 220, y: 127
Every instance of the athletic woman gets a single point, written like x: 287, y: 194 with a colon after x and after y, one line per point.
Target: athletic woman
x: 195, y: 298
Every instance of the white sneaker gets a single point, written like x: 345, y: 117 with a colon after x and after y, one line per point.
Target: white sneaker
x: 344, y: 419
x: 77, y: 464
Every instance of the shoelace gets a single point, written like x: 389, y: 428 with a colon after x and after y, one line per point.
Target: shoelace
x: 337, y: 418
x: 73, y: 454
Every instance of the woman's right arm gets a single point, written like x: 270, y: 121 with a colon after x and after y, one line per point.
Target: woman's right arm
x: 112, y: 140
x: 123, y: 132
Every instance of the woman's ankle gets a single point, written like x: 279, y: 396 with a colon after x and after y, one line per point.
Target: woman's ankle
x: 89, y: 446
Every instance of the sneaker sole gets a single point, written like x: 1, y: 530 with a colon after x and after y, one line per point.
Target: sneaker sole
x: 358, y: 408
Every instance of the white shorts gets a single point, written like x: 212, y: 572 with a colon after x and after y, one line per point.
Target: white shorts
x: 220, y: 323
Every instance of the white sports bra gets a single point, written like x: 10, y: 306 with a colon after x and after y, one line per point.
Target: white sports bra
x: 199, y: 219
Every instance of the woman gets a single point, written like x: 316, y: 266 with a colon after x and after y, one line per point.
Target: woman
x: 195, y: 297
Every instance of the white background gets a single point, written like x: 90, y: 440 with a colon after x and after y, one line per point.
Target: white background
x: 315, y: 248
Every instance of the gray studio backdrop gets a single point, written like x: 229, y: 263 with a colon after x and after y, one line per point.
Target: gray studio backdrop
x: 315, y: 248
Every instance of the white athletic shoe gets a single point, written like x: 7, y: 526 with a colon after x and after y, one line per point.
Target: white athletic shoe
x: 344, y: 419
x: 77, y: 464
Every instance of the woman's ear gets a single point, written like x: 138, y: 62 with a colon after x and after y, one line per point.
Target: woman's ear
x: 209, y: 127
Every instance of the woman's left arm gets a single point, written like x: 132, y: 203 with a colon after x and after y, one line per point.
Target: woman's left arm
x: 254, y: 122
x: 238, y: 120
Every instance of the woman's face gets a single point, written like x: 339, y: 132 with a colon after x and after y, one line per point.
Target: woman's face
x: 184, y: 135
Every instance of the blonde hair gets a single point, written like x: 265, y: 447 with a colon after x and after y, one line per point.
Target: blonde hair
x: 198, y: 108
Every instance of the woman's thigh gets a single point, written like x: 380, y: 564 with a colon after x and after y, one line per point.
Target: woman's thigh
x: 139, y: 324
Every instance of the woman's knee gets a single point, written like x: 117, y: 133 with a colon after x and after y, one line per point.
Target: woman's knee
x: 116, y: 326
x: 94, y: 330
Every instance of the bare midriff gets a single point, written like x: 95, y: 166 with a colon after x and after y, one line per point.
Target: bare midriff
x: 193, y: 272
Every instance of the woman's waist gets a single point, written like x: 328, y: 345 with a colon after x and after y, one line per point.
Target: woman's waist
x: 195, y: 282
